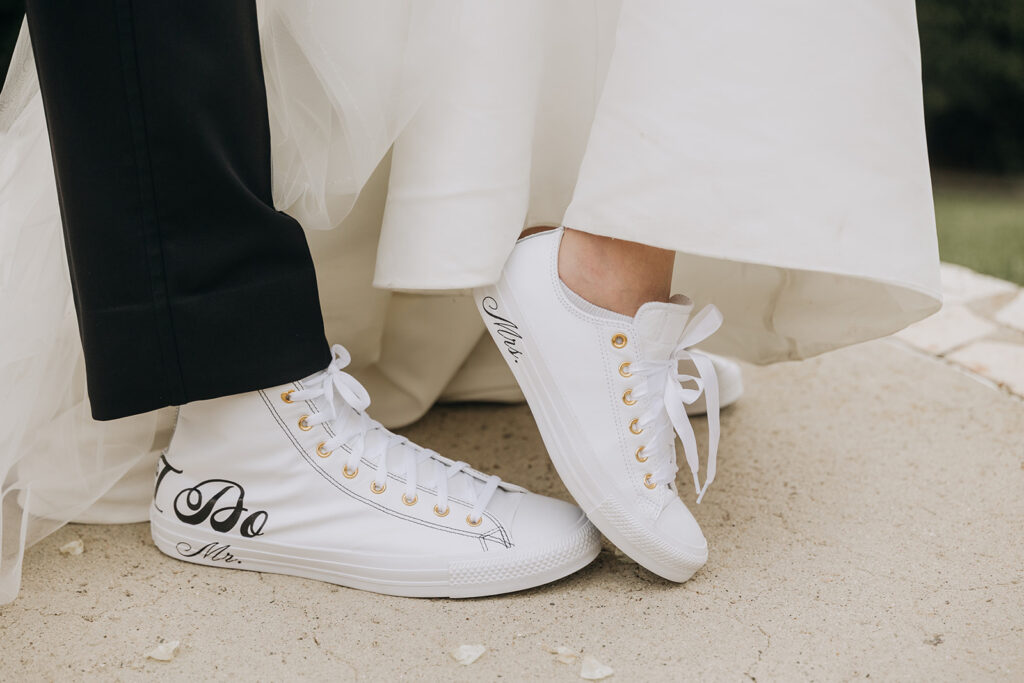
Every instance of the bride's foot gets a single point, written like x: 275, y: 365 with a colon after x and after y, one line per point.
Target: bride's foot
x: 298, y: 480
x: 602, y: 271
x: 608, y: 399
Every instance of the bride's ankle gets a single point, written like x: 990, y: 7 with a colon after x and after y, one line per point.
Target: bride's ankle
x: 614, y: 274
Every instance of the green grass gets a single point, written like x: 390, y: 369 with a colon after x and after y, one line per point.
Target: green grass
x: 981, y: 225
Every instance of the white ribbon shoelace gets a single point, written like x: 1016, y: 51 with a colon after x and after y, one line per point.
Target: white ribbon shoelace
x: 663, y: 380
x: 352, y: 430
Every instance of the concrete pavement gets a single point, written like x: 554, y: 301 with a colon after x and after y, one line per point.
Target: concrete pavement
x: 865, y: 523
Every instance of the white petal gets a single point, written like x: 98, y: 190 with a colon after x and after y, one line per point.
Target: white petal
x: 593, y: 670
x: 467, y: 654
x: 564, y: 654
x: 75, y: 547
x: 164, y: 651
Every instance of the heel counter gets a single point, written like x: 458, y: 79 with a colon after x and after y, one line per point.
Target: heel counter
x: 536, y: 248
x: 163, y: 466
x: 174, y: 430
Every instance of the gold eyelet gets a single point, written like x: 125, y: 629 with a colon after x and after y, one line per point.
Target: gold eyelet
x: 470, y: 522
x: 635, y: 427
x: 637, y: 455
x: 321, y: 452
x: 626, y: 398
x: 349, y: 475
x: 618, y: 340
x: 287, y: 396
x: 624, y: 370
x: 648, y: 483
x: 410, y: 502
x: 442, y: 514
x: 383, y: 487
x: 303, y: 425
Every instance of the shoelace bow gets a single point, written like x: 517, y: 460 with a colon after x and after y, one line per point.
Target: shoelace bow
x: 662, y: 378
x: 335, y: 385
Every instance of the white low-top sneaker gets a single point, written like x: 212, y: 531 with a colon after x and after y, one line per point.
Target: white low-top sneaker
x: 730, y: 383
x: 609, y: 399
x: 299, y: 480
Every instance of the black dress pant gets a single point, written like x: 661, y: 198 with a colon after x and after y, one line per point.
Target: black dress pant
x: 188, y: 284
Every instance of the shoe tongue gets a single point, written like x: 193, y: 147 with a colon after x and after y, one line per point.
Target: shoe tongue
x: 660, y: 325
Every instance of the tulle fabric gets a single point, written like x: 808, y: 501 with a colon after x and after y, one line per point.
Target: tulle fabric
x: 55, y: 461
x: 778, y: 148
x: 343, y: 79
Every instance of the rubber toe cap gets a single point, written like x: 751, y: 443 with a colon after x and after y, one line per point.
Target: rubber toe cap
x: 540, y: 520
x: 678, y: 527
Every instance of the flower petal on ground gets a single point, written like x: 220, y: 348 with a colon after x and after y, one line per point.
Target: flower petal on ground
x: 75, y: 547
x: 165, y: 651
x: 593, y: 670
x: 467, y: 654
x: 564, y: 654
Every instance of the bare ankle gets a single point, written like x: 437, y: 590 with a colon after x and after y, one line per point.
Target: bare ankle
x: 614, y: 274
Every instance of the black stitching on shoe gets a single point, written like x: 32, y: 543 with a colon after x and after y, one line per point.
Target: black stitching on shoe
x: 483, y: 536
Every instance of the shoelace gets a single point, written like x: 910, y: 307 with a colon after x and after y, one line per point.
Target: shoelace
x: 663, y: 380
x: 352, y: 430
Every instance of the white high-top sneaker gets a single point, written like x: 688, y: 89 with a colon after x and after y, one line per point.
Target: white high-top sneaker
x: 608, y: 398
x: 298, y: 480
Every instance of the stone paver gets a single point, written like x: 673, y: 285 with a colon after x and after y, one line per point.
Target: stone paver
x: 1000, y: 362
x: 1012, y: 314
x: 980, y: 328
x: 963, y: 285
x: 952, y: 327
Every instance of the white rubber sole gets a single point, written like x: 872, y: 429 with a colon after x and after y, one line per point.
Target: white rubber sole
x: 558, y: 429
x: 410, y: 576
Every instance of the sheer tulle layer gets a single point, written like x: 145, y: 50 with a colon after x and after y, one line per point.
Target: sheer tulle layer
x: 778, y: 149
x: 55, y: 461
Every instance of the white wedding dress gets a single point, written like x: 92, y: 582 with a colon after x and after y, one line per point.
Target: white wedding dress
x: 779, y: 148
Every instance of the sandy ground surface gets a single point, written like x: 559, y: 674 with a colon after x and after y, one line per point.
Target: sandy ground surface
x: 866, y: 523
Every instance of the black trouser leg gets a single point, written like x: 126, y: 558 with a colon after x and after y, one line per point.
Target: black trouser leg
x: 188, y: 284
x: 12, y: 12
